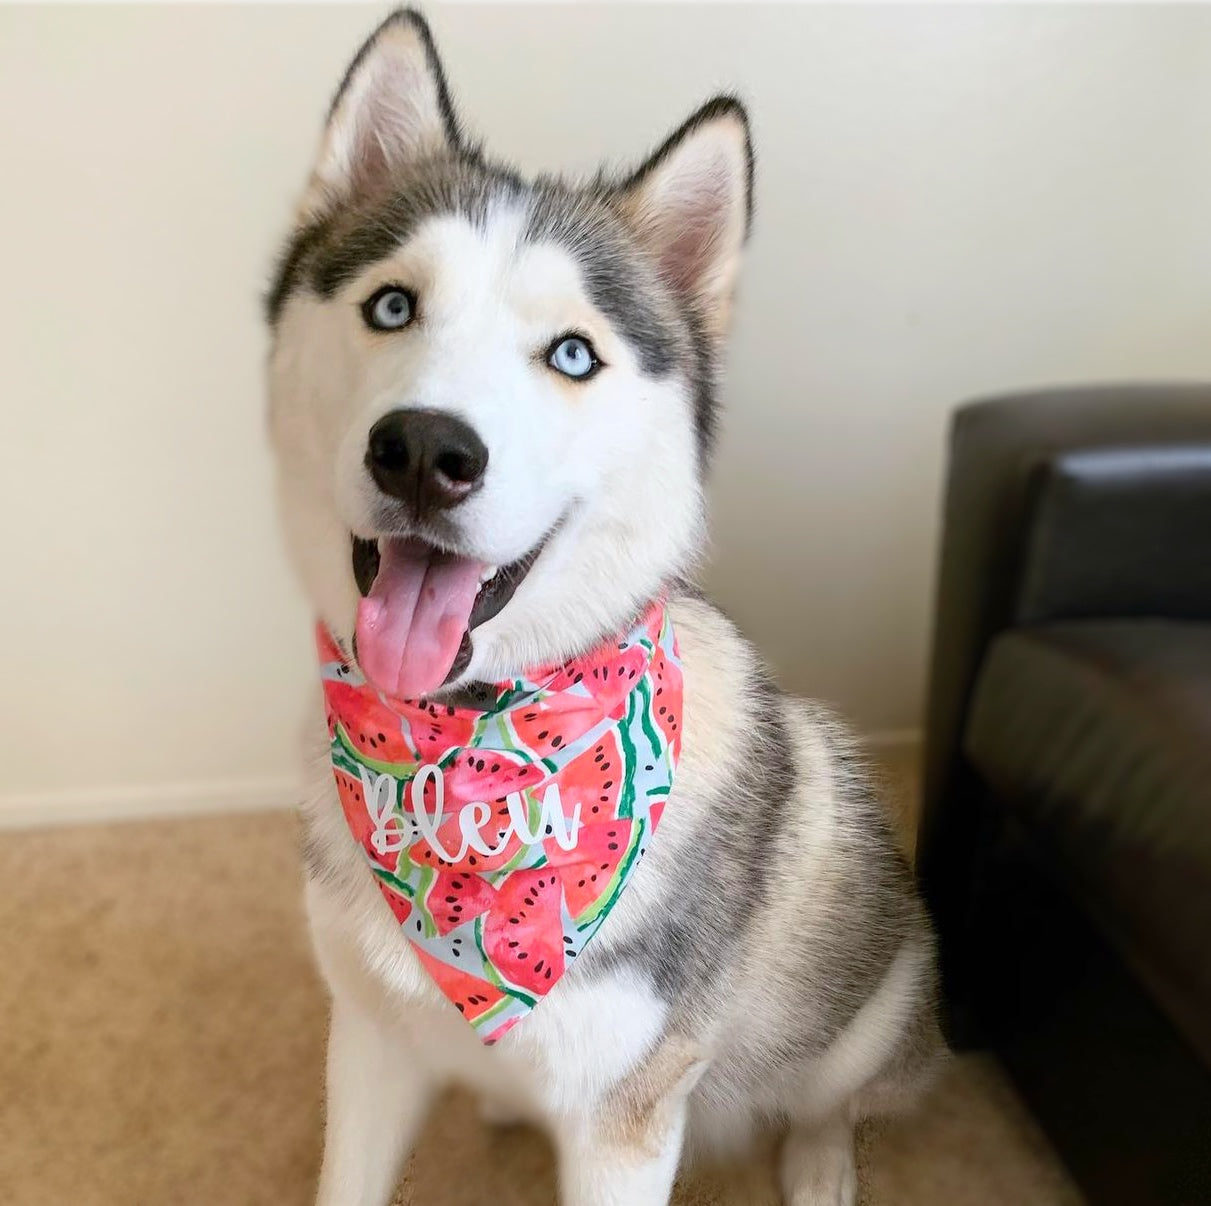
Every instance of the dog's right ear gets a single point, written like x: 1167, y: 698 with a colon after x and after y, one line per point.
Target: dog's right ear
x: 392, y: 108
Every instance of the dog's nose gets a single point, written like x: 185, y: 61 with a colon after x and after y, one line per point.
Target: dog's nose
x: 427, y: 459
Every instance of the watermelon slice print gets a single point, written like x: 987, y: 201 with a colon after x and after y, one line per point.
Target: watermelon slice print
x: 609, y: 676
x: 473, y: 997
x: 593, y: 780
x: 489, y: 775
x: 666, y: 699
x: 357, y: 817
x: 549, y: 725
x: 440, y: 729
x: 523, y: 933
x: 456, y: 897
x: 591, y: 871
x: 370, y: 728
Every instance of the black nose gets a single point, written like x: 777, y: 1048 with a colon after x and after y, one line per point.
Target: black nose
x: 424, y: 458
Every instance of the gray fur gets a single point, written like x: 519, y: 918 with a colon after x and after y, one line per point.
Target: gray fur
x: 329, y: 252
x: 664, y: 329
x: 705, y: 913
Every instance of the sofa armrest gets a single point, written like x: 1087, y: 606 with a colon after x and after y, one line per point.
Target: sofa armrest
x: 999, y: 451
x: 1118, y: 533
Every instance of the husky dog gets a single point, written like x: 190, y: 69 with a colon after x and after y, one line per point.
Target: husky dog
x: 549, y: 350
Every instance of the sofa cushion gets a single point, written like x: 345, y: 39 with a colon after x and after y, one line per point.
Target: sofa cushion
x: 1097, y: 735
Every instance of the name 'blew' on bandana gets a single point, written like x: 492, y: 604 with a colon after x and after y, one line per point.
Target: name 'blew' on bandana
x: 502, y: 839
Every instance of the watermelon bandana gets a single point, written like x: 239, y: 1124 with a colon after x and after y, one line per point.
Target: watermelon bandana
x: 502, y: 839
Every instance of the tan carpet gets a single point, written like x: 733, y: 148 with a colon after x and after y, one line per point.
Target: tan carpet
x: 161, y: 1042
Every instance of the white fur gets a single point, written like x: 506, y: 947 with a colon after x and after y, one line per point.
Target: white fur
x: 613, y: 465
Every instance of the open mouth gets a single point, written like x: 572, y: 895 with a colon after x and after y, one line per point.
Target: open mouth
x: 419, y: 607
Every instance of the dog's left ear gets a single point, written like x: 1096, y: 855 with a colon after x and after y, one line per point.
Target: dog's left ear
x: 691, y: 202
x: 393, y: 108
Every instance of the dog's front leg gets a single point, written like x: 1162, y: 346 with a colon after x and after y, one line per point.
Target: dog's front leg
x: 626, y: 1152
x: 377, y: 1099
x: 607, y: 1169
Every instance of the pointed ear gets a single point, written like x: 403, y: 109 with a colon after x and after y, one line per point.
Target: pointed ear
x: 392, y: 108
x: 690, y: 205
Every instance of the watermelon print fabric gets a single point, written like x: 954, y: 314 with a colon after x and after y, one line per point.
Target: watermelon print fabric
x: 502, y: 839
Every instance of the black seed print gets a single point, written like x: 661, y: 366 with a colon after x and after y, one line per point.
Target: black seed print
x: 451, y: 899
x: 514, y: 944
x: 460, y: 1007
x: 567, y: 939
x: 557, y: 742
x: 661, y: 710
x: 548, y: 975
x: 597, y: 808
x: 543, y: 735
x: 538, y: 965
x: 549, y: 829
x: 612, y: 846
x: 522, y: 955
x: 607, y: 784
x: 649, y: 767
x: 495, y: 767
x: 479, y: 765
x: 581, y: 884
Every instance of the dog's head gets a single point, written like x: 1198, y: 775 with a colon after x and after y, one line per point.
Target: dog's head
x: 492, y: 398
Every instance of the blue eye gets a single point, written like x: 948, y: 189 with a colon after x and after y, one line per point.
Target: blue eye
x: 574, y: 357
x: 388, y: 309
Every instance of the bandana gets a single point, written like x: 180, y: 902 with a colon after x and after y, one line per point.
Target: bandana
x: 502, y: 839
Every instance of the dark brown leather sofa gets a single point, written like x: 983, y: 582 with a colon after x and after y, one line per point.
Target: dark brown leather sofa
x: 1065, y: 840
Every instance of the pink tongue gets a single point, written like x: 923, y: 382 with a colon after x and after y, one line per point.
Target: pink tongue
x: 410, y: 625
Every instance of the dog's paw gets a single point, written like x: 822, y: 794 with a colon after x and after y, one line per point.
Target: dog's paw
x: 818, y: 1167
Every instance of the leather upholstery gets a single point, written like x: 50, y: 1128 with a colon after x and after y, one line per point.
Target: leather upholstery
x: 1118, y: 532
x: 1097, y: 736
x: 997, y: 450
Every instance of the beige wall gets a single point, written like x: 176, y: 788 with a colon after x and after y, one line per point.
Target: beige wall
x: 951, y: 201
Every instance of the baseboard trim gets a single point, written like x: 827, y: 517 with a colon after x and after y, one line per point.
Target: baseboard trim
x: 145, y: 802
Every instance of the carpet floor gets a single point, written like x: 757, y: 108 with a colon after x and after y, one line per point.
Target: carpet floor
x: 162, y: 1032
